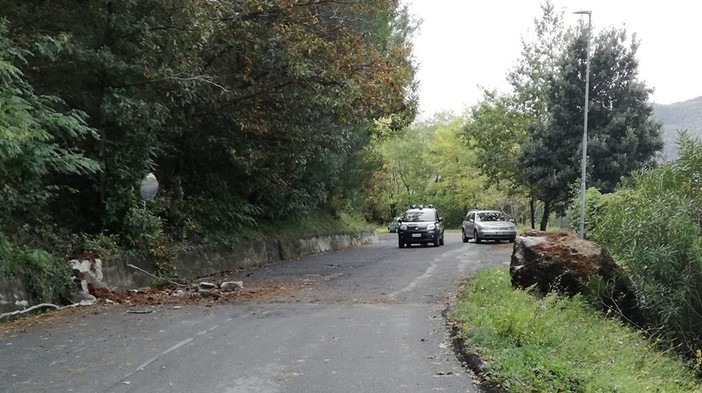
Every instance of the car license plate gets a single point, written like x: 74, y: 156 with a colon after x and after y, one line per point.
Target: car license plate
x: 416, y: 235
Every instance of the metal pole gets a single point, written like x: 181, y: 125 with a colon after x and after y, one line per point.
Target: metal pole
x: 583, y: 162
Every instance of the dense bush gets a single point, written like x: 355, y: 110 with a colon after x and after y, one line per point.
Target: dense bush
x: 652, y: 227
x: 37, y: 147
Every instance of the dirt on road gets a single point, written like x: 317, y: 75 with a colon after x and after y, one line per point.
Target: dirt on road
x: 150, y: 299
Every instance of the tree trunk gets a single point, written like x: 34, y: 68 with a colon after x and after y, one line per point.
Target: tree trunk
x: 544, y: 218
x: 532, y: 212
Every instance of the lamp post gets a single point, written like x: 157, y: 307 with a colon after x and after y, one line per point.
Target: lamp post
x: 583, y: 162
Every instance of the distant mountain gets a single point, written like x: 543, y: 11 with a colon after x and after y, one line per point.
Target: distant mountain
x: 686, y: 115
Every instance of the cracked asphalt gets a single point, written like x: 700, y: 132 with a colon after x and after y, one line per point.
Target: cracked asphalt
x: 367, y: 319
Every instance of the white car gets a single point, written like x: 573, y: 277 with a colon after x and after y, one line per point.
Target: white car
x: 488, y: 225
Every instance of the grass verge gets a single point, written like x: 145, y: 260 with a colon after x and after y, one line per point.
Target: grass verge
x: 555, y: 344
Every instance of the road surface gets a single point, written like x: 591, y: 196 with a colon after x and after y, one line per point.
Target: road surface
x: 367, y: 319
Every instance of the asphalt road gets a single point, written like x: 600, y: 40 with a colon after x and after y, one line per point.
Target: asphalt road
x: 362, y: 320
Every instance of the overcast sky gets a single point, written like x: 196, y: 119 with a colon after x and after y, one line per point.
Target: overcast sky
x: 464, y: 44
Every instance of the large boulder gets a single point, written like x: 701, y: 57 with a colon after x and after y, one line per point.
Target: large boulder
x: 560, y: 261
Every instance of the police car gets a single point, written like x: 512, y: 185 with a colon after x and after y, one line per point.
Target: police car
x: 421, y: 225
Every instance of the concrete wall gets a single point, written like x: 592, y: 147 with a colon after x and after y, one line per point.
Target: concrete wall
x: 197, y: 261
x: 14, y: 295
x: 201, y: 261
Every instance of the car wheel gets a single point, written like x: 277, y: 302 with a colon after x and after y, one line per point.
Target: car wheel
x: 511, y: 240
x: 437, y: 242
x: 400, y: 243
x: 475, y: 236
x: 463, y: 236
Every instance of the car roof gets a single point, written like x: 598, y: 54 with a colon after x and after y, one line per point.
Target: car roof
x: 419, y: 210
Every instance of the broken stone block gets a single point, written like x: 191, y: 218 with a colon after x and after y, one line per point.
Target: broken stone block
x: 205, y: 286
x: 232, y: 285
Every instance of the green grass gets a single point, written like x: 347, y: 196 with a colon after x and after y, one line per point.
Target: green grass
x: 556, y: 344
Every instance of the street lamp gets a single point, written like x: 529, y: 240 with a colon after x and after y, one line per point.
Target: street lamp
x: 583, y: 162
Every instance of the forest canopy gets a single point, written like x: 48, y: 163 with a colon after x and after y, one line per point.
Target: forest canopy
x: 244, y: 110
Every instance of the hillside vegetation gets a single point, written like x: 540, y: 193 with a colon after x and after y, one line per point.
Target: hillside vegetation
x: 248, y: 113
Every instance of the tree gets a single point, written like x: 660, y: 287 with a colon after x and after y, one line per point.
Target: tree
x: 256, y: 104
x: 500, y: 125
x: 624, y: 137
x: 38, y: 147
x: 530, y: 77
x: 496, y: 131
x: 36, y: 144
x: 431, y: 162
x: 304, y: 81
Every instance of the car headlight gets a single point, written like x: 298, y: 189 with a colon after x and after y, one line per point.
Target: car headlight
x: 403, y: 227
x: 431, y: 227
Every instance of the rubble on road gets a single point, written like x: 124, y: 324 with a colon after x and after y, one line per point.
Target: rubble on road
x: 196, y: 294
x: 174, y: 296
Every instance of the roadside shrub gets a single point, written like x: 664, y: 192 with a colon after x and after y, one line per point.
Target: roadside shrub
x: 652, y: 227
x: 593, y: 208
x: 48, y: 278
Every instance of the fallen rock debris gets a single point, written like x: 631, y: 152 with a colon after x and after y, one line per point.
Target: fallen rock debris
x: 174, y: 296
x: 195, y: 294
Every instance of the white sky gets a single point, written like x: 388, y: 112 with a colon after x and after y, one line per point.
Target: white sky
x: 463, y: 44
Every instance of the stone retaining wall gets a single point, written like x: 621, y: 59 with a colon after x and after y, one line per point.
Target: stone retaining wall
x: 14, y: 295
x: 197, y: 261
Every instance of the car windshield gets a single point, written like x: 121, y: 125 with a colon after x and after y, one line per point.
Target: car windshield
x: 492, y: 216
x: 420, y: 215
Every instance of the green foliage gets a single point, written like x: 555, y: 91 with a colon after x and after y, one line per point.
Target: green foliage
x: 31, y: 136
x: 594, y: 201
x: 529, y: 141
x: 556, y: 344
x: 431, y: 162
x: 530, y: 78
x: 622, y: 137
x: 245, y: 111
x: 97, y: 246
x: 47, y: 277
x: 218, y: 218
x: 38, y: 145
x: 653, y: 227
x: 496, y: 132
